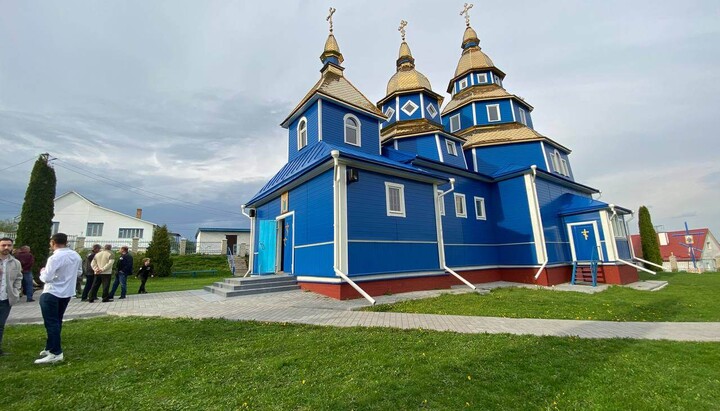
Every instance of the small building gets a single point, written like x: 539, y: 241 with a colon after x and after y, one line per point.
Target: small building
x: 80, y: 217
x: 682, y: 245
x: 209, y: 240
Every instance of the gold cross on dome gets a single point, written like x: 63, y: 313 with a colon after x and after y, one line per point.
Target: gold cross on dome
x: 585, y: 233
x: 466, y: 12
x: 329, y: 18
x: 401, y: 29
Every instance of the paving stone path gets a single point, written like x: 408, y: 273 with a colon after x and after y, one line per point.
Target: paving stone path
x: 309, y: 308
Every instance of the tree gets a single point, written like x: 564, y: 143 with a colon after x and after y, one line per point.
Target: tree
x: 159, y: 252
x: 35, y: 227
x: 8, y: 225
x: 649, y: 239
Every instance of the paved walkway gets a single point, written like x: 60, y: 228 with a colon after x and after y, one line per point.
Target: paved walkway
x: 309, y: 308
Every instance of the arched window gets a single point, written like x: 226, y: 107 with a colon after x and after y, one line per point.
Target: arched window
x: 352, y: 130
x: 302, y: 133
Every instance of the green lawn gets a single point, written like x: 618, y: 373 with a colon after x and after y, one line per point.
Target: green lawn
x: 687, y: 297
x: 181, y: 364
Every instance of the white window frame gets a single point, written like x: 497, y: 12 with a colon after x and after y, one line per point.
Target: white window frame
x: 458, y: 213
x: 357, y: 130
x: 482, y: 78
x: 302, y: 135
x: 564, y: 166
x: 497, y: 80
x: 462, y: 84
x: 401, y: 200
x: 497, y: 107
x: 133, y: 232
x: 555, y: 157
x: 523, y: 116
x: 619, y: 228
x: 431, y: 110
x: 390, y: 113
x: 95, y: 225
x: 480, y: 211
x: 459, y: 125
x: 412, y: 107
x: 441, y: 202
x: 451, y: 148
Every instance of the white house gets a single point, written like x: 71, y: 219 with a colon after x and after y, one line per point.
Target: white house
x: 208, y: 240
x: 77, y: 216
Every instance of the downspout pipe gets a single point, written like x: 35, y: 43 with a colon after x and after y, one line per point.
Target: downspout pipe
x: 533, y: 168
x: 338, y: 219
x: 632, y: 250
x: 443, y: 263
x: 251, y: 258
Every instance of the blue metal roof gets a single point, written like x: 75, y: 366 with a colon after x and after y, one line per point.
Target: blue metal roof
x: 575, y: 204
x: 319, y: 153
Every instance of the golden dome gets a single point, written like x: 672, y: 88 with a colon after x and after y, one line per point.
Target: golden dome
x: 407, y: 78
x: 470, y: 35
x: 331, y: 49
x: 471, y: 59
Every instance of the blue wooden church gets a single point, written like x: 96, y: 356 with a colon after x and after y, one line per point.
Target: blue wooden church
x: 408, y: 194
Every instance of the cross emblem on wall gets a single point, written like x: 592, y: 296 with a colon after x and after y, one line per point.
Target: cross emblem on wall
x: 585, y: 233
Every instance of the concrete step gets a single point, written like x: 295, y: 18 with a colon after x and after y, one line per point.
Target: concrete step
x: 260, y: 280
x: 233, y: 293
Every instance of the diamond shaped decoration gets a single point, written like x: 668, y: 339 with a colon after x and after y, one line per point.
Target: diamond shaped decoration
x: 409, y: 108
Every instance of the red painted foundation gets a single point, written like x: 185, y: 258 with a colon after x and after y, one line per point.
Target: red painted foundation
x: 613, y: 274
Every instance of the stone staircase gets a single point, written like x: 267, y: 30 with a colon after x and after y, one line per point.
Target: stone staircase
x: 235, y: 286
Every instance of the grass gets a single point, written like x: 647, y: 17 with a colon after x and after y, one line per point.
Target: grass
x: 181, y: 364
x: 688, y: 297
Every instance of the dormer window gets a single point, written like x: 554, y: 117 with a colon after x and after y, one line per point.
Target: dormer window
x: 455, y: 123
x: 564, y: 167
x: 352, y: 130
x: 302, y: 133
x: 497, y: 80
x: 560, y: 165
x: 451, y: 149
x: 482, y: 78
x: 390, y: 113
x: 409, y: 108
x: 462, y: 84
x: 431, y: 110
x: 493, y: 112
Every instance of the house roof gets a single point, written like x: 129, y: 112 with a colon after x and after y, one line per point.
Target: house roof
x: 220, y: 230
x: 320, y: 153
x: 101, y: 207
x: 675, y: 239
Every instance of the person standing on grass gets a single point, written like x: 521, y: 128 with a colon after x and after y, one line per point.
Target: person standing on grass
x: 59, y: 275
x: 125, y: 268
x: 10, y: 283
x: 26, y: 260
x: 146, y: 270
x: 102, y: 265
x: 89, y: 272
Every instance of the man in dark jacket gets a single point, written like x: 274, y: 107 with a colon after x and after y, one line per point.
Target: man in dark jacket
x: 89, y: 272
x: 124, y: 269
x: 26, y: 260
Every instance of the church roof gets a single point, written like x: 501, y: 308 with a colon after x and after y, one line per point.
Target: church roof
x: 479, y: 93
x: 406, y: 77
x: 503, y: 133
x: 472, y: 57
x: 410, y: 128
x: 319, y: 153
x: 334, y: 85
x: 575, y: 204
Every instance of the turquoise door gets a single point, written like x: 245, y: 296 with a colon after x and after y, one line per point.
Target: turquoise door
x: 267, y: 242
x: 584, y: 242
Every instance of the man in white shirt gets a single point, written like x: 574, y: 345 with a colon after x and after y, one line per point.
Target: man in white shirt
x: 59, y: 275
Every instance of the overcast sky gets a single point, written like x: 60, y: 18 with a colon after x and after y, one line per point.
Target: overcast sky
x: 174, y: 106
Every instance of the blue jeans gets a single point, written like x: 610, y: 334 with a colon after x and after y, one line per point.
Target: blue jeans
x: 121, y: 279
x: 4, y: 313
x: 53, y: 309
x: 27, y: 283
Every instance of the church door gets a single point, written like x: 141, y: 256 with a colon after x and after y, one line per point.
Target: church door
x: 286, y: 246
x: 584, y: 241
x: 267, y: 240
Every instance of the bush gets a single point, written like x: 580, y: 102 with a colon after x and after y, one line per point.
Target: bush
x: 159, y: 252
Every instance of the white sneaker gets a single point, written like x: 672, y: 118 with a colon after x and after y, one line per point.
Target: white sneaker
x: 50, y: 359
x: 44, y: 353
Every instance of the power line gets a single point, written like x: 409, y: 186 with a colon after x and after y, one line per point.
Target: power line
x: 15, y: 165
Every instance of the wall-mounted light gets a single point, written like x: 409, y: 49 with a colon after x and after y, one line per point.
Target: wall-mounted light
x: 352, y: 175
